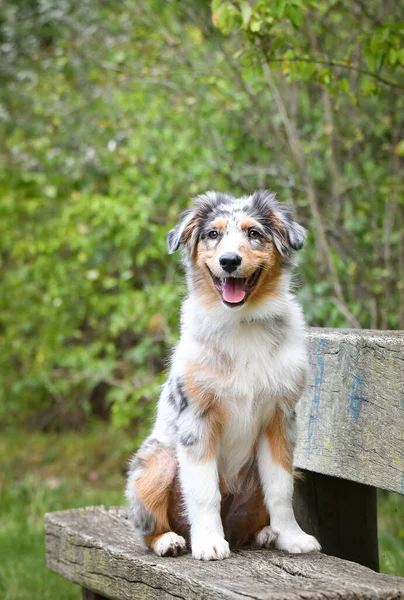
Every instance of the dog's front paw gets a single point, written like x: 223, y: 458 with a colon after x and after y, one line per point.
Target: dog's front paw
x: 266, y: 537
x: 213, y: 547
x: 296, y: 542
x: 170, y: 544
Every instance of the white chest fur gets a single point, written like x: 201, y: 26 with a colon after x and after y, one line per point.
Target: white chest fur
x: 245, y: 360
x: 245, y: 417
x: 264, y: 371
x: 250, y: 366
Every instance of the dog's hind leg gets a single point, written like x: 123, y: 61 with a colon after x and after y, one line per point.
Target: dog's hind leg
x: 150, y: 484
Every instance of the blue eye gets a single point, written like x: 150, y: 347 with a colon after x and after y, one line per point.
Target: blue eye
x: 254, y: 234
x: 213, y: 234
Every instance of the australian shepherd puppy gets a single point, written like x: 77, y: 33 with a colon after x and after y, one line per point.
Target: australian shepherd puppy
x: 217, y: 466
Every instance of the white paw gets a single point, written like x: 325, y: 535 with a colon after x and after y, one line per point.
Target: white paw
x: 266, y: 537
x: 296, y: 542
x: 213, y: 547
x: 170, y: 544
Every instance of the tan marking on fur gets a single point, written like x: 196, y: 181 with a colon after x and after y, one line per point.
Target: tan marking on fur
x: 247, y: 223
x: 190, y: 229
x: 268, y: 283
x: 216, y: 419
x: 279, y: 444
x: 209, y: 405
x: 192, y: 377
x: 278, y: 223
x: 252, y: 257
x: 177, y: 515
x: 207, y: 293
x: 154, y: 488
x: 151, y: 540
x: 219, y: 223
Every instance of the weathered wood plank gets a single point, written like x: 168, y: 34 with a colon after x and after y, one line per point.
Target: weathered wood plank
x: 341, y: 514
x: 89, y: 595
x: 351, y: 420
x: 96, y: 549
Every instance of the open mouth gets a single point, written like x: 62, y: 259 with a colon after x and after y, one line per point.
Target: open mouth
x: 235, y: 290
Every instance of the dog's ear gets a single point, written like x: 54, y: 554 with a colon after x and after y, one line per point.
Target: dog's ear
x: 278, y: 218
x: 287, y: 234
x: 296, y: 234
x: 184, y: 232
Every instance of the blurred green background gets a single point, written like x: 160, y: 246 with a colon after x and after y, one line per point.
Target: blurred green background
x: 112, y: 116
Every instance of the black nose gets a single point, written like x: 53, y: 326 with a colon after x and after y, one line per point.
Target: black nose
x: 230, y: 261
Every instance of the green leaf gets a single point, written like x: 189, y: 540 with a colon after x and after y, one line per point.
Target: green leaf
x: 246, y: 12
x: 255, y: 26
x: 399, y: 148
x: 295, y: 14
x: 393, y: 56
x: 278, y: 8
x: 225, y: 17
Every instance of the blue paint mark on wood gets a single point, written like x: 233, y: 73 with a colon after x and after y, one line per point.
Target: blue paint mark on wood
x: 315, y: 402
x: 356, y: 396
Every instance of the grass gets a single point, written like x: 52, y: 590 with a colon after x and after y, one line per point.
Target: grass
x: 45, y: 472
x: 391, y: 533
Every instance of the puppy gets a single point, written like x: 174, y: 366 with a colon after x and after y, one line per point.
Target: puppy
x: 217, y: 466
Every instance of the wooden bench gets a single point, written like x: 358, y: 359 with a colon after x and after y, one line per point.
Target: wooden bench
x: 351, y: 442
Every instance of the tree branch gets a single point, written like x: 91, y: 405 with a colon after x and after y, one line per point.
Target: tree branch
x: 298, y: 156
x: 335, y: 63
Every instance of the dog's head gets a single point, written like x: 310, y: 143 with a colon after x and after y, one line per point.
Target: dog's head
x: 236, y: 249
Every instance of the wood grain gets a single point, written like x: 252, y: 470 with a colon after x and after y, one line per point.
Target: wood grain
x: 96, y: 549
x: 351, y: 419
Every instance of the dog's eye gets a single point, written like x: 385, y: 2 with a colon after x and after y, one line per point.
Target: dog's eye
x: 254, y: 234
x: 213, y: 234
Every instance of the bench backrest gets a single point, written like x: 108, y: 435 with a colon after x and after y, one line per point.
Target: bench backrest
x: 351, y: 419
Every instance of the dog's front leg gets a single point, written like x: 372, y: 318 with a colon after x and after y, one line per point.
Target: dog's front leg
x: 275, y: 455
x: 200, y: 486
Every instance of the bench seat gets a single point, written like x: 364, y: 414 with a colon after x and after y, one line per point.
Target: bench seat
x: 96, y: 549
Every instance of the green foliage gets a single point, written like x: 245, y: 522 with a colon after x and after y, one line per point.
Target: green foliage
x: 23, y: 572
x: 294, y: 33
x: 391, y: 533
x: 51, y: 473
x: 112, y: 115
x: 96, y: 171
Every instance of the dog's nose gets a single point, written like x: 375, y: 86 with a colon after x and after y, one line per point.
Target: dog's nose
x: 230, y: 261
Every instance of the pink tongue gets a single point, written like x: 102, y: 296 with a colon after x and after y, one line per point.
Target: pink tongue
x: 234, y: 289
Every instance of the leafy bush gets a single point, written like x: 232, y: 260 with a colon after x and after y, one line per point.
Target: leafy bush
x: 113, y: 115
